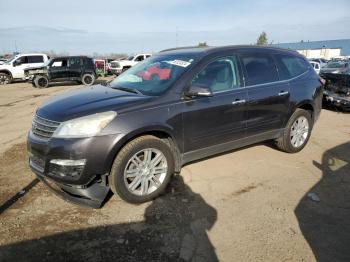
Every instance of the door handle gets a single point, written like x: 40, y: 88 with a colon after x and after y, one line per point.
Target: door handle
x: 283, y: 93
x: 238, y: 102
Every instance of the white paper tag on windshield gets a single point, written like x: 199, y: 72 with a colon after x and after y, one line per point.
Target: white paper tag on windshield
x: 179, y: 63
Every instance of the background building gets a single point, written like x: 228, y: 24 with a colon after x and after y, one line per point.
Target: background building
x: 320, y: 49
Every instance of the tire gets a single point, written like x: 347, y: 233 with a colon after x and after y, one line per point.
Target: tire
x: 88, y: 79
x: 41, y: 81
x: 122, y: 185
x: 5, y: 79
x: 291, y: 143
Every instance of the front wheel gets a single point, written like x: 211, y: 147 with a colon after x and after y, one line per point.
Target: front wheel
x: 142, y: 169
x: 297, y: 132
x: 88, y: 79
x: 41, y: 81
x: 5, y: 79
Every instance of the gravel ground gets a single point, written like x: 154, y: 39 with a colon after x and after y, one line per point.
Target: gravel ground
x: 252, y: 204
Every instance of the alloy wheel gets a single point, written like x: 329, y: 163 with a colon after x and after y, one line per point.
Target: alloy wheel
x: 145, y: 171
x: 299, y: 132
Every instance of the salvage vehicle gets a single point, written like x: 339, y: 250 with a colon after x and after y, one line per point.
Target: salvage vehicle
x: 133, y: 134
x: 62, y: 69
x: 341, y: 67
x: 337, y: 91
x: 316, y: 66
x: 119, y: 66
x: 13, y: 69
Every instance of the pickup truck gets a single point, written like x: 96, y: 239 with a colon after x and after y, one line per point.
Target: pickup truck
x: 13, y: 69
x: 119, y: 66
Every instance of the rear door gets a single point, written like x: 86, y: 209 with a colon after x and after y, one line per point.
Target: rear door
x: 268, y: 97
x: 35, y: 60
x: 75, y: 67
x: 221, y: 118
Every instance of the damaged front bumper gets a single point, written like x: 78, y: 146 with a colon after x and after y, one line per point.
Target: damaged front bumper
x: 74, y: 169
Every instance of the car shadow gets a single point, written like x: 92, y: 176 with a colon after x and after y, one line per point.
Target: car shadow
x: 174, y: 228
x: 324, y: 212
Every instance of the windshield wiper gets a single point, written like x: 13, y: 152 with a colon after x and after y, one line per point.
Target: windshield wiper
x: 128, y: 89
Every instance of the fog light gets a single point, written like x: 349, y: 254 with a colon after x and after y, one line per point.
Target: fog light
x: 67, y: 167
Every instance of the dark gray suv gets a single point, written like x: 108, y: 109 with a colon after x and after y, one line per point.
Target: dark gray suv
x: 175, y: 107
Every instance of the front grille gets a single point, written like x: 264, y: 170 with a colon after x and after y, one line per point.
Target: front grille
x: 43, y: 128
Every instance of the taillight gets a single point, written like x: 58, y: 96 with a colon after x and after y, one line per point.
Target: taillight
x: 322, y: 81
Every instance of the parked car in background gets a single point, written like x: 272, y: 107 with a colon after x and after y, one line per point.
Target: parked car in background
x: 61, y: 69
x: 323, y: 62
x: 2, y: 61
x: 341, y: 67
x: 132, y: 135
x: 119, y: 66
x: 316, y: 66
x: 14, y: 68
x: 337, y: 91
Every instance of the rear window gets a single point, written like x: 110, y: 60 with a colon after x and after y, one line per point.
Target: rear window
x: 35, y: 59
x: 290, y: 66
x: 260, y: 68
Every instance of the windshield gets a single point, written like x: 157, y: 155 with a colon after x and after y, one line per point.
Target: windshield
x: 11, y: 59
x: 156, y: 74
x: 335, y: 65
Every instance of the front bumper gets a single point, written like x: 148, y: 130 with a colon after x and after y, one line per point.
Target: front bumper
x: 89, y: 187
x: 116, y: 71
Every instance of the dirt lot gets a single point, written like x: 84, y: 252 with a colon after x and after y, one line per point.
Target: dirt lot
x: 252, y: 204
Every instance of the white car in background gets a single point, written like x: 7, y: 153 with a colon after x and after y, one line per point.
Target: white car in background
x: 316, y: 66
x: 323, y: 62
x: 14, y: 68
x: 119, y: 66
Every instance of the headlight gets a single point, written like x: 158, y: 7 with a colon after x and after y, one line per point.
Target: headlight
x: 84, y: 126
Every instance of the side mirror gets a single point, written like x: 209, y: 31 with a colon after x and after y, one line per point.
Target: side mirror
x: 16, y: 63
x: 198, y: 91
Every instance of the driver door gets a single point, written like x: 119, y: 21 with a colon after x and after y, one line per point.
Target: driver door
x: 221, y: 118
x: 19, y: 65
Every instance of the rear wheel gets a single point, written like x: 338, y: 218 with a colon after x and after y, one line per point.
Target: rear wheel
x: 142, y: 169
x: 5, y: 79
x: 41, y: 81
x: 88, y: 79
x: 297, y: 132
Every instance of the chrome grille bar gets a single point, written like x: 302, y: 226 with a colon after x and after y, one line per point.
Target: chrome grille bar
x: 43, y: 128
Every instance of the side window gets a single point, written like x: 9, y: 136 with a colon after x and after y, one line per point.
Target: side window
x: 290, y: 66
x: 139, y: 58
x: 260, y: 68
x: 60, y: 63
x: 35, y: 59
x: 74, y: 62
x: 22, y: 60
x: 220, y: 75
x: 147, y: 56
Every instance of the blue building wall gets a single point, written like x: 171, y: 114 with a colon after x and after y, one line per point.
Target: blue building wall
x: 344, y: 44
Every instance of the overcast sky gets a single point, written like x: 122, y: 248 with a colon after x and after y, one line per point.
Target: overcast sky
x: 84, y: 26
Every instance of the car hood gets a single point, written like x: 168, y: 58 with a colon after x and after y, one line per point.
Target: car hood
x: 88, y: 100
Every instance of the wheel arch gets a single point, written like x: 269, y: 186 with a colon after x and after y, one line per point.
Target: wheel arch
x: 308, y: 106
x: 161, y: 132
x: 6, y: 72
